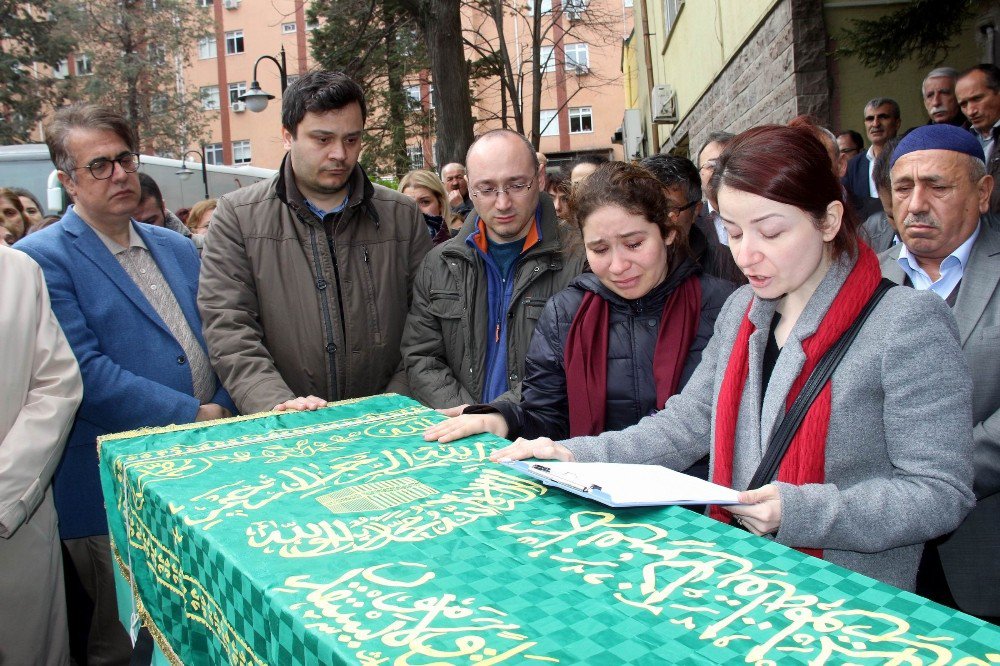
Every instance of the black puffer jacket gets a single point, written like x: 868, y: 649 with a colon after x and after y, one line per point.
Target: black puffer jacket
x: 631, y: 394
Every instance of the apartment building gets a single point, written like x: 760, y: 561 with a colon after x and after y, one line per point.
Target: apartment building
x: 222, y: 70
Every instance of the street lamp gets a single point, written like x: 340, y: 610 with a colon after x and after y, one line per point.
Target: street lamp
x: 255, y: 98
x: 184, y: 173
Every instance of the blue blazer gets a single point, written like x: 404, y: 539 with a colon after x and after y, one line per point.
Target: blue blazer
x: 135, y: 374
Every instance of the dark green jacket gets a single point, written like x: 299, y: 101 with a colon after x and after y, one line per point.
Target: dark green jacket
x: 444, y: 341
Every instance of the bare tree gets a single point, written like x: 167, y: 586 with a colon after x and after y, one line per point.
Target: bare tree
x: 506, y: 71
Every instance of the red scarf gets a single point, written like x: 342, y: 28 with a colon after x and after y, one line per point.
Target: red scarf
x: 586, y: 354
x: 806, y: 456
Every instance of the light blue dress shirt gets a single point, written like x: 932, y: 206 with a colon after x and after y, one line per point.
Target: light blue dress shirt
x: 952, y: 268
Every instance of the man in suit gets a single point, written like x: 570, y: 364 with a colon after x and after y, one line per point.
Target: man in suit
x: 941, y: 193
x: 124, y: 294
x: 978, y: 92
x: 881, y: 124
x: 708, y: 157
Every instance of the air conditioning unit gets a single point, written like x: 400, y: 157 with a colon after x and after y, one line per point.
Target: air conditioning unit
x: 580, y: 70
x: 231, y: 4
x: 239, y: 107
x: 664, y: 104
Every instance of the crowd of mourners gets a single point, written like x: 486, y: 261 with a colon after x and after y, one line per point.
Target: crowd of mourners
x: 809, y: 322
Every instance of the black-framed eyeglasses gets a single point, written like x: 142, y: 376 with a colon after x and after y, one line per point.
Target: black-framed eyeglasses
x: 677, y: 210
x: 102, y: 168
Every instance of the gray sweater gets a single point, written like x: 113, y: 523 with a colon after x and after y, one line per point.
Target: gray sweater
x: 898, y: 468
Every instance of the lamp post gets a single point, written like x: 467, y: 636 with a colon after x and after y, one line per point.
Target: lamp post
x: 255, y: 98
x: 184, y: 173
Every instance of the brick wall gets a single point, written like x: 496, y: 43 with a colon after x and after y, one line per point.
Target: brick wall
x: 779, y: 73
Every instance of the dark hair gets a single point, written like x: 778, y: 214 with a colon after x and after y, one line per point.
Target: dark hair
x: 880, y: 170
x: 788, y: 165
x: 673, y: 170
x: 991, y: 71
x: 319, y: 92
x: 596, y: 160
x: 718, y: 136
x: 557, y: 179
x: 856, y: 138
x: 149, y: 188
x: 630, y: 187
x: 11, y: 195
x: 85, y: 117
x: 22, y: 192
x: 876, y: 102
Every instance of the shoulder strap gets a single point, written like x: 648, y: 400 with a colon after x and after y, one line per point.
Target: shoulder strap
x: 785, y: 431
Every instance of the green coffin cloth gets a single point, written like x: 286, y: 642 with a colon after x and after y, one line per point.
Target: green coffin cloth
x: 340, y: 536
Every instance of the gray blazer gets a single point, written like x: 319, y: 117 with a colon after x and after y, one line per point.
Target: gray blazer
x: 971, y: 556
x: 900, y: 392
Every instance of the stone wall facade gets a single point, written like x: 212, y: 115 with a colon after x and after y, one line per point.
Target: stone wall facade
x: 780, y: 72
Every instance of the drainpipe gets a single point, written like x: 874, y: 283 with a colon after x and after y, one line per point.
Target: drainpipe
x: 649, y: 72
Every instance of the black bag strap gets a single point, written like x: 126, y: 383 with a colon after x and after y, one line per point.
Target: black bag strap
x: 784, y: 432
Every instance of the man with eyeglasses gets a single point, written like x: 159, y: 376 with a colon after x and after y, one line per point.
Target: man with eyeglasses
x: 124, y: 294
x: 682, y: 188
x: 477, y: 297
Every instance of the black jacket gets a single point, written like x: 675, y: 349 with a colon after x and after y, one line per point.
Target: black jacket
x: 631, y: 394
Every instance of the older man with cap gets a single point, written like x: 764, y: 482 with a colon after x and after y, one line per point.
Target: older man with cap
x: 940, y: 194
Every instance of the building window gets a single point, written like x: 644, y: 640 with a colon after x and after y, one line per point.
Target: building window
x: 548, y: 122
x: 287, y: 28
x: 241, y: 152
x: 312, y: 26
x: 84, y: 66
x: 213, y: 153
x: 210, y: 98
x: 416, y: 155
x: 577, y: 57
x: 547, y: 58
x: 670, y: 10
x: 546, y: 6
x: 235, y: 90
x: 627, y: 4
x: 203, y: 3
x: 581, y: 120
x: 207, y: 48
x: 234, y: 42
x: 61, y: 70
x: 413, y: 96
x: 292, y: 78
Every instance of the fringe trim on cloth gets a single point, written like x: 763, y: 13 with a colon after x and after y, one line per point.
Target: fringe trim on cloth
x: 147, y: 621
x: 159, y: 430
